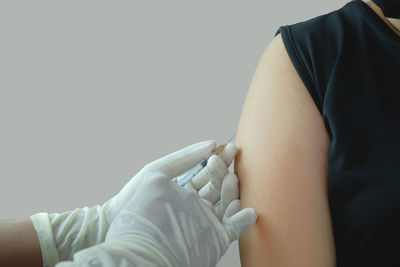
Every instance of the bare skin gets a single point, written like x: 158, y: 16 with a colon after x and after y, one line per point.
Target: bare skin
x: 19, y: 244
x: 394, y: 24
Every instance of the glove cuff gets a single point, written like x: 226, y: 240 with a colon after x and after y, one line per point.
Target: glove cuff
x: 41, y: 222
x: 78, y: 229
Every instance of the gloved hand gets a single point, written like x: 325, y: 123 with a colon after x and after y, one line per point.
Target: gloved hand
x: 61, y: 235
x: 164, y: 224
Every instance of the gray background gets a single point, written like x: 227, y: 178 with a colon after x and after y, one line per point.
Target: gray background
x: 91, y: 91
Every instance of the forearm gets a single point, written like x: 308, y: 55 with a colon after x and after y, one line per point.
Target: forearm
x: 19, y: 244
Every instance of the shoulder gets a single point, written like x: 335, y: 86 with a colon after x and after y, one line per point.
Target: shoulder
x: 278, y: 97
x: 282, y: 168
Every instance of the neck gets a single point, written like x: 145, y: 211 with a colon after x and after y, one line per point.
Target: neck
x: 391, y: 22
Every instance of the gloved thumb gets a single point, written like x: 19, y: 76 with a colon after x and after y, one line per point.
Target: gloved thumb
x: 236, y: 221
x: 182, y: 160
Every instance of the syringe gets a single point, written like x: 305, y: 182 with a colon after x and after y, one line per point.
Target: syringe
x: 196, y: 169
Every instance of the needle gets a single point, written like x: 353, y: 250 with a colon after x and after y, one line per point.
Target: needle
x: 221, y: 147
x: 196, y: 169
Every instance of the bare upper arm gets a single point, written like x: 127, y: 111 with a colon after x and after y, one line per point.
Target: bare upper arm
x: 282, y: 169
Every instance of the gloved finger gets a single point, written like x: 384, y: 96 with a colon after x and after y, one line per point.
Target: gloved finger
x: 236, y: 221
x: 208, y: 204
x: 202, y: 178
x: 229, y: 192
x: 182, y: 160
x: 189, y: 186
x: 214, y: 170
x: 217, y: 170
x: 232, y: 208
x: 229, y: 153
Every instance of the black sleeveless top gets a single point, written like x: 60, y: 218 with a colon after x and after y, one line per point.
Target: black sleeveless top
x: 349, y: 61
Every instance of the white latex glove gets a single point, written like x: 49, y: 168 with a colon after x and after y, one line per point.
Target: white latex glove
x: 61, y: 235
x: 164, y: 224
x: 212, y: 182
